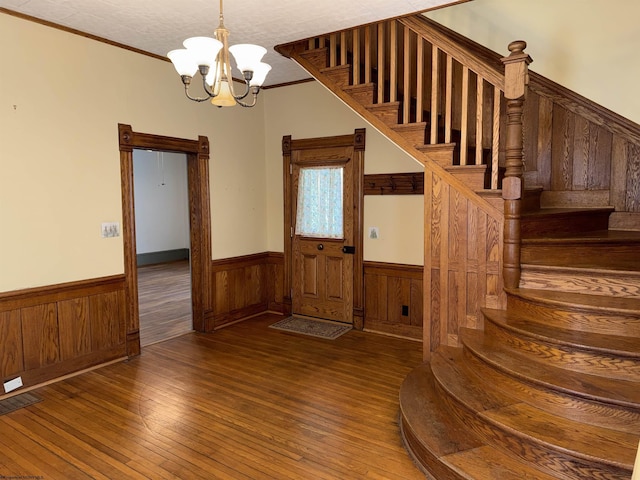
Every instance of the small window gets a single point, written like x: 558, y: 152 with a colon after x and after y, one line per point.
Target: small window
x: 319, y: 211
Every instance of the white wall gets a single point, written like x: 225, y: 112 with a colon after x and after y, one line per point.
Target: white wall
x: 161, y: 201
x: 59, y: 157
x: 589, y: 46
x: 309, y: 110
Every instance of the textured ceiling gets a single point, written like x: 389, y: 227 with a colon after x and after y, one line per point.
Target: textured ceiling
x: 158, y: 26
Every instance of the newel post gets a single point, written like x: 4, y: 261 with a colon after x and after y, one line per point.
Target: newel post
x: 516, y: 78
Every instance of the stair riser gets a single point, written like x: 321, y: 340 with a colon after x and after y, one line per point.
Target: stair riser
x: 318, y: 57
x: 547, y: 459
x: 576, y: 319
x: 423, y: 458
x: 473, y: 177
x: 594, y: 363
x: 387, y: 113
x: 340, y: 76
x: 561, y: 280
x: 558, y: 403
x: 539, y: 226
x: 363, y: 94
x: 415, y: 136
x: 592, y: 254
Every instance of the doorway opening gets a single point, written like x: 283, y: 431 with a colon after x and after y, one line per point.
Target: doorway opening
x: 161, y: 200
x: 197, y: 158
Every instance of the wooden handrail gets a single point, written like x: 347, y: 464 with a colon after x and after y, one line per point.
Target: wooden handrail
x: 426, y: 28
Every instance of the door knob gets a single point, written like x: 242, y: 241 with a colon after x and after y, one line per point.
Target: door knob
x: 320, y: 246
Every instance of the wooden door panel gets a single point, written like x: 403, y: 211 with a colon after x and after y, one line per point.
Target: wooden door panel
x: 310, y: 275
x: 320, y: 288
x: 334, y: 278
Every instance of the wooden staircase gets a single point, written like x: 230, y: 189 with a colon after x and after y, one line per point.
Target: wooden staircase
x: 537, y: 380
x: 553, y: 381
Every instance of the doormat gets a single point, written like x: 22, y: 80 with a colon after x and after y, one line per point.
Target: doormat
x: 315, y: 328
x: 19, y: 401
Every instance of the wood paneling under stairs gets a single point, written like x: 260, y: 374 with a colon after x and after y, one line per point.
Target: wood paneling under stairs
x: 164, y: 296
x: 245, y: 402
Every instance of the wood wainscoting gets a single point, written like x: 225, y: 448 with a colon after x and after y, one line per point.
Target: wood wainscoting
x: 48, y: 332
x: 245, y: 286
x: 393, y: 299
x: 248, y: 285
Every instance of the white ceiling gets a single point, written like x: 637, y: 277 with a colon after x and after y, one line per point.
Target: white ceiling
x: 158, y: 26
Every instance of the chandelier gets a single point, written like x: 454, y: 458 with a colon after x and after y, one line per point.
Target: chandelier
x: 210, y: 57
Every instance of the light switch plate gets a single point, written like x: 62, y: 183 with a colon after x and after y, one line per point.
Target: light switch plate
x: 110, y: 229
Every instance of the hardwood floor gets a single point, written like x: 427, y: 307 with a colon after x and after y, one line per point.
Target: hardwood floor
x: 164, y: 296
x: 246, y: 402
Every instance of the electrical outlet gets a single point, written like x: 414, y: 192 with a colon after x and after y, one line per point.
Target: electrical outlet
x: 110, y: 229
x: 374, y: 233
x: 11, y: 385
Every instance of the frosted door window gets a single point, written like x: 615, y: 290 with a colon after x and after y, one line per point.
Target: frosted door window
x: 320, y: 202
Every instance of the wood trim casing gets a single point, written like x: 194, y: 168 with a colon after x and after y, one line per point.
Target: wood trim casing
x: 197, y: 152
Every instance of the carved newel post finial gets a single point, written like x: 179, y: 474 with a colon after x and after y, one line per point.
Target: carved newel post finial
x: 516, y: 78
x: 517, y: 47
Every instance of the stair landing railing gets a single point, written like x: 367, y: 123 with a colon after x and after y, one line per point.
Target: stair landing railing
x: 462, y: 96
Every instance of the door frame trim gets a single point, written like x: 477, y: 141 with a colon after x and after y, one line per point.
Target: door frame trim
x: 357, y: 140
x: 197, y: 152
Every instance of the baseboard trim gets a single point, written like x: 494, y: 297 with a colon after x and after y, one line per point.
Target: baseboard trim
x: 164, y: 256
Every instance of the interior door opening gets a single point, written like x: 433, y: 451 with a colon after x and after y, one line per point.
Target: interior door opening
x: 162, y: 227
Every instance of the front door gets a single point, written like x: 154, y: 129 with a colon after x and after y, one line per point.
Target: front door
x: 323, y: 264
x: 323, y: 233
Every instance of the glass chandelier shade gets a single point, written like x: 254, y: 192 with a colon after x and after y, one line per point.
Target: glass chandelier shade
x: 210, y: 57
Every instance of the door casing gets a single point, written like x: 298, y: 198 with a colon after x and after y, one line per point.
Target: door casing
x: 197, y: 152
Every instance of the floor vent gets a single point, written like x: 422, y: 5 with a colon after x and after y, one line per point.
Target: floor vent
x: 19, y: 401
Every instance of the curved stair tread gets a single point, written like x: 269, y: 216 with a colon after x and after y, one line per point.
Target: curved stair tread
x: 592, y: 387
x: 444, y: 447
x: 567, y: 300
x: 618, y: 269
x: 558, y: 403
x: 569, y: 437
x: 561, y: 211
x: 597, y: 236
x: 595, y: 444
x: 602, y: 343
x: 439, y: 432
x: 458, y: 380
x: 488, y: 462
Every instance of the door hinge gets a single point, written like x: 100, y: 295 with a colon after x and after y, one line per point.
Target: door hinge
x: 290, y: 169
x: 291, y: 233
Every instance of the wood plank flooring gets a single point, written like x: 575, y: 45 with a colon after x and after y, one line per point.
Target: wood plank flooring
x: 246, y: 402
x: 164, y: 298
